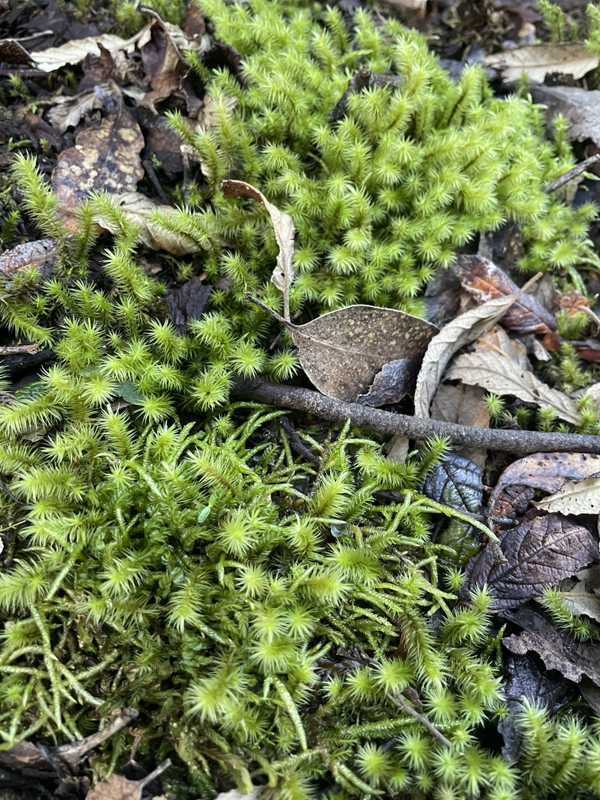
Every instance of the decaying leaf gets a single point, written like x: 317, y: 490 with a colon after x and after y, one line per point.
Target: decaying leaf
x: 574, y: 497
x: 235, y: 795
x: 581, y: 107
x: 408, y: 5
x: 456, y: 334
x: 540, y: 552
x: 67, y: 112
x: 484, y: 280
x: 40, y: 253
x: 462, y: 405
x: 119, y: 788
x: 342, y: 351
x: 397, y: 450
x: 538, y: 61
x: 393, y: 382
x: 187, y: 302
x: 503, y: 374
x: 283, y: 226
x: 72, y: 52
x: 556, y: 647
x: 146, y: 214
x: 588, y: 349
x: 104, y: 158
x: 543, y: 471
x: 582, y: 602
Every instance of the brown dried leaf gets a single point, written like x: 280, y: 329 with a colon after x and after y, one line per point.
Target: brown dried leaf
x: 73, y: 52
x: 581, y: 107
x: 40, y: 253
x: 484, y: 280
x: 574, y: 497
x: 463, y: 405
x: 68, y: 111
x: 540, y: 552
x: 283, y: 226
x: 538, y: 61
x: 393, y: 382
x: 104, y: 158
x: 557, y: 648
x: 544, y: 471
x: 119, y: 788
x: 342, y: 351
x: 146, y: 214
x: 502, y: 374
x: 453, y: 336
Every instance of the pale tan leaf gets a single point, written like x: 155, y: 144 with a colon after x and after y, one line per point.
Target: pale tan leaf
x: 73, y: 52
x: 574, y: 497
x: 580, y: 601
x: 538, y: 61
x: 283, y: 225
x: 342, y: 351
x: 68, y: 111
x: 502, y: 374
x: 119, y: 788
x: 398, y: 449
x: 144, y: 213
x: 456, y: 334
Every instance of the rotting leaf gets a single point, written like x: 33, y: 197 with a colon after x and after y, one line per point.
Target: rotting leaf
x: 484, y: 280
x: 538, y: 61
x: 283, y: 226
x: 542, y: 471
x: 146, y: 214
x: 556, y: 647
x: 119, y: 788
x: 540, y: 552
x: 581, y: 107
x: 104, y: 158
x: 574, y: 497
x: 40, y: 253
x: 501, y: 373
x: 187, y: 302
x: 394, y: 381
x: 342, y: 351
x: 581, y: 601
x: 72, y: 52
x: 462, y: 405
x: 453, y: 336
x: 67, y: 112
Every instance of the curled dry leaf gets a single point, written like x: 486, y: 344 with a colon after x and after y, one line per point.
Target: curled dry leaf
x: 146, y: 214
x: 540, y: 552
x: 484, y: 280
x: 342, y: 351
x: 67, y: 112
x: 557, y: 648
x: 540, y: 471
x: 73, y: 52
x: 456, y: 334
x: 581, y: 107
x: 538, y: 61
x: 503, y: 374
x: 104, y: 158
x: 283, y: 226
x: 40, y: 253
x: 574, y: 497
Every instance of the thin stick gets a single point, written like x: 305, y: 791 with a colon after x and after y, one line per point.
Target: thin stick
x: 386, y: 423
x: 572, y: 173
x: 73, y: 753
x: 408, y: 708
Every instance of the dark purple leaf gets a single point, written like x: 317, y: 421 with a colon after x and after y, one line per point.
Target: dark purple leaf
x: 457, y: 482
x: 393, y: 382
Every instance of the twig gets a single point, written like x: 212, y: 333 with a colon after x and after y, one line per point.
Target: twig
x: 404, y: 705
x: 387, y: 423
x: 153, y: 177
x: 74, y: 752
x: 572, y: 173
x: 297, y: 444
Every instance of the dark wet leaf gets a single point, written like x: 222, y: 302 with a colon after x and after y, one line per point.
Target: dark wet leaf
x: 187, y: 302
x: 463, y: 405
x: 540, y: 552
x: 442, y: 298
x: 556, y: 647
x: 588, y: 349
x: 525, y: 680
x: 394, y: 381
x: 581, y: 107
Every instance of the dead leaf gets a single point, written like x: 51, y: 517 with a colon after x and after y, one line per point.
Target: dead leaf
x: 393, y: 382
x: 453, y: 336
x: 542, y: 471
x: 582, y: 602
x: 67, y: 112
x: 574, y: 497
x: 235, y: 795
x: 581, y: 107
x: 187, y: 302
x: 502, y: 374
x: 538, y: 61
x: 104, y: 158
x: 397, y: 450
x: 588, y: 349
x: 540, y: 552
x: 409, y: 5
x: 484, y: 280
x: 462, y: 405
x: 41, y: 253
x: 119, y: 788
x: 283, y: 226
x: 146, y: 214
x: 72, y: 52
x: 557, y: 649
x: 342, y: 351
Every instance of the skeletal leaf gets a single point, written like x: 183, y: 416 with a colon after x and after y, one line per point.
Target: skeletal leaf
x: 540, y: 552
x: 574, y: 497
x: 456, y: 334
x: 547, y: 472
x: 104, y: 158
x: 581, y: 107
x: 146, y: 214
x: 283, y: 226
x: 502, y: 374
x: 342, y: 351
x: 557, y: 648
x: 537, y: 61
